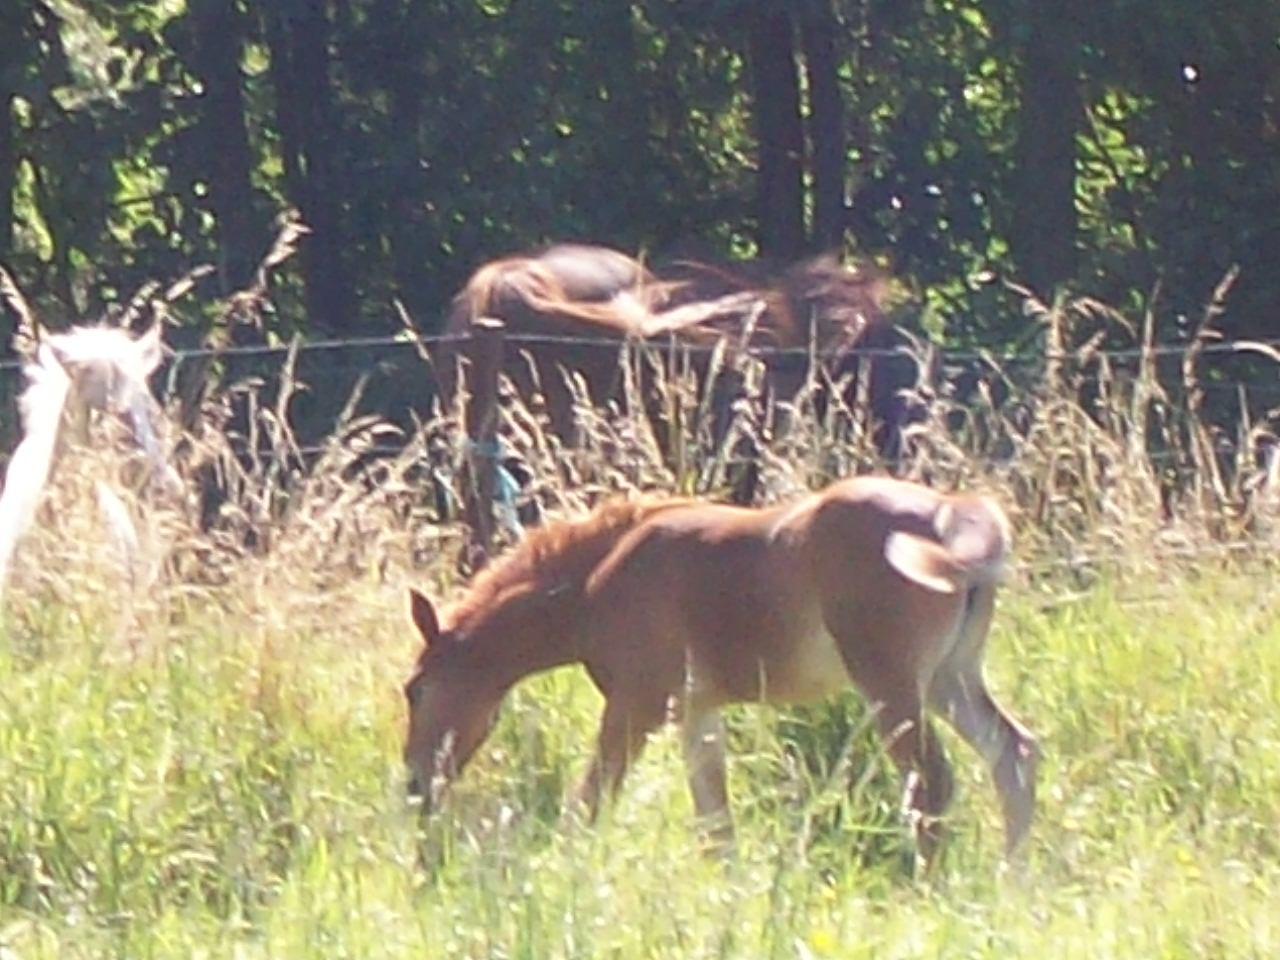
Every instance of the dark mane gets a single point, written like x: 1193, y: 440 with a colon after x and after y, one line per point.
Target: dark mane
x: 562, y: 552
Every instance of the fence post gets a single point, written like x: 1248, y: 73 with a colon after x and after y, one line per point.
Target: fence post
x: 729, y: 394
x: 481, y: 421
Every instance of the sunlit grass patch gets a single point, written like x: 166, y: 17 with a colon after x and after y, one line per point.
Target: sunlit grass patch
x: 235, y: 790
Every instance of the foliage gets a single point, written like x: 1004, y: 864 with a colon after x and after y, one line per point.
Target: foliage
x: 423, y: 137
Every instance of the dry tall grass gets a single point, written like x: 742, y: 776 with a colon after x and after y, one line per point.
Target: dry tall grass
x: 1106, y: 457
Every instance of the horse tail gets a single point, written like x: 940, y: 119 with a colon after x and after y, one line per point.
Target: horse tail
x: 971, y: 548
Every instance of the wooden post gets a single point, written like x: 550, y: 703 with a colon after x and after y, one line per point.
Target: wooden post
x: 743, y: 460
x: 481, y: 420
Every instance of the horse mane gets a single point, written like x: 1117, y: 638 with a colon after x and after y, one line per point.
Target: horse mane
x: 560, y: 553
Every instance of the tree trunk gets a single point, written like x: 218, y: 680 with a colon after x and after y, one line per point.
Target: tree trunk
x: 628, y: 152
x: 780, y: 135
x: 14, y: 47
x: 298, y: 39
x: 1044, y: 212
x: 818, y: 28
x: 217, y: 30
x: 8, y: 172
x: 408, y: 228
x: 408, y: 231
x: 8, y: 179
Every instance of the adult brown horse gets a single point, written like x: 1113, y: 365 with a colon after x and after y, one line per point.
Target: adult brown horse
x: 677, y: 608
x: 571, y: 306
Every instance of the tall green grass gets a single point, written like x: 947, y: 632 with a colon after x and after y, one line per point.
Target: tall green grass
x: 199, y: 744
x: 226, y: 783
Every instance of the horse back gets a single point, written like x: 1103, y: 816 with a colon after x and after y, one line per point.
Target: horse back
x: 787, y: 604
x: 592, y: 273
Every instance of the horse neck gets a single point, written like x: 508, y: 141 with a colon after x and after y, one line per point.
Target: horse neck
x: 529, y: 634
x: 525, y: 616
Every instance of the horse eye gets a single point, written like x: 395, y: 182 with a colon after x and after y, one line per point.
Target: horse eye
x: 413, y: 693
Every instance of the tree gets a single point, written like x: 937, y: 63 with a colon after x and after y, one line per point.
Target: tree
x: 819, y: 32
x: 298, y: 38
x: 216, y: 30
x: 1048, y: 142
x: 12, y: 48
x: 1049, y: 120
x: 779, y: 131
x: 401, y: 70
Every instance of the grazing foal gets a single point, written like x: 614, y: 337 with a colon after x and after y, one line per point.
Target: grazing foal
x: 677, y: 608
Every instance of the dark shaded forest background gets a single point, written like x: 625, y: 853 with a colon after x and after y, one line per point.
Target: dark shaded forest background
x: 1109, y: 147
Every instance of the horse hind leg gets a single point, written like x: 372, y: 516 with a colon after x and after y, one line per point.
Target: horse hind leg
x: 928, y: 786
x: 702, y: 738
x: 895, y: 692
x: 958, y: 691
x: 918, y: 753
x: 1009, y: 749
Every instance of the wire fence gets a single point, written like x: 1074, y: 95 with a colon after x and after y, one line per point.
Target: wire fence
x: 1266, y: 347
x: 1084, y: 564
x: 947, y: 361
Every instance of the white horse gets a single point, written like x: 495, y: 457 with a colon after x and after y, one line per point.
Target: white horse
x: 96, y: 368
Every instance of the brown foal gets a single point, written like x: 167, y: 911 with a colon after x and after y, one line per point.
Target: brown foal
x: 677, y: 608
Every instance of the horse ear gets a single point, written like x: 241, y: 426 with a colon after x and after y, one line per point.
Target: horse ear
x: 423, y: 615
x: 150, y: 347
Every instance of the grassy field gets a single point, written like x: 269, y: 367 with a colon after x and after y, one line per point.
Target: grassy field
x: 223, y: 780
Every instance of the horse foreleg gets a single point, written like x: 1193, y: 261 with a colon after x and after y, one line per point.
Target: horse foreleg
x: 915, y: 749
x: 623, y: 733
x: 702, y: 737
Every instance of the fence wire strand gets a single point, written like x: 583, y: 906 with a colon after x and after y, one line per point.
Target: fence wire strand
x: 944, y: 355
